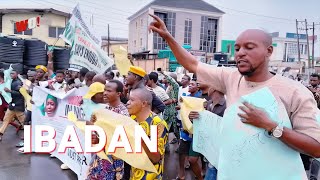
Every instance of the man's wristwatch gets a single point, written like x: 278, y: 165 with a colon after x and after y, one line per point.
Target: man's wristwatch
x: 277, y: 131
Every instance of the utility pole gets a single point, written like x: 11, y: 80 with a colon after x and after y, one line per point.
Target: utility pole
x: 92, y: 21
x: 108, y: 41
x: 307, y: 44
x: 313, y: 45
x: 297, y: 24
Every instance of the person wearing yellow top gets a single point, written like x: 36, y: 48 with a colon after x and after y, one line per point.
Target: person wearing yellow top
x: 139, y: 107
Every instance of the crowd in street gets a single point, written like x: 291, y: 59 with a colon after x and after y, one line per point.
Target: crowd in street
x: 155, y: 98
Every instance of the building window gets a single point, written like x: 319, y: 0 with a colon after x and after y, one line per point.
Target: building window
x: 306, y: 50
x: 55, y: 32
x: 27, y: 32
x: 140, y: 42
x: 135, y: 43
x: 137, y: 25
x: 141, y: 22
x: 187, y: 31
x: 208, y: 34
x: 292, y: 48
x: 169, y: 19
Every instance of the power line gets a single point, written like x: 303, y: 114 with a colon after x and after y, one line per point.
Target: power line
x: 91, y: 7
x: 263, y: 20
x: 90, y: 12
x: 254, y: 14
x: 109, y: 7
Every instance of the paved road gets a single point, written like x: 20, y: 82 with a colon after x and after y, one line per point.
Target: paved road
x: 16, y: 166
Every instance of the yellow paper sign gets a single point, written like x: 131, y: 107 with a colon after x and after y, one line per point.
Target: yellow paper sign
x: 108, y: 121
x: 121, y: 59
x: 27, y: 98
x: 190, y: 104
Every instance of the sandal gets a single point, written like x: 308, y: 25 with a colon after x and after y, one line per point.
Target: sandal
x: 20, y: 144
x: 21, y: 150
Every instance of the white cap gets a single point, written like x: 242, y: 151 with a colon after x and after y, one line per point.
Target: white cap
x: 74, y: 69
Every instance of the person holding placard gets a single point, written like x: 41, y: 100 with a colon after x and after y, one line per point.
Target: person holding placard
x: 253, y: 49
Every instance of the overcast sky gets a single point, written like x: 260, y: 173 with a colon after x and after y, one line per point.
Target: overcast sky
x: 269, y: 15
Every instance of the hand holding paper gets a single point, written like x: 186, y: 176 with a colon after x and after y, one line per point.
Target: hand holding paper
x: 109, y: 121
x: 193, y: 115
x: 256, y: 117
x: 190, y: 104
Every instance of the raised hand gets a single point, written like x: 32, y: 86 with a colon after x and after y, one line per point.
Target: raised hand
x: 159, y: 27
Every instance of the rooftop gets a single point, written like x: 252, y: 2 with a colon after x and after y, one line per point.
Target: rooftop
x: 183, y: 4
x: 34, y: 10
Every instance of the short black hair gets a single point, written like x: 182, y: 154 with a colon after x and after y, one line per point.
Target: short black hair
x: 188, y: 77
x: 315, y: 75
x: 159, y: 69
x: 119, y: 85
x: 14, y: 71
x: 90, y: 75
x: 60, y: 72
x: 83, y: 71
x: 70, y: 81
x: 154, y: 77
x: 111, y: 74
x: 2, y: 74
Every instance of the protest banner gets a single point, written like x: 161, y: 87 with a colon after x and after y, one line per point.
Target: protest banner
x: 245, y: 147
x: 51, y: 108
x: 121, y: 59
x: 190, y: 104
x: 86, y: 51
x: 70, y: 30
x: 110, y: 121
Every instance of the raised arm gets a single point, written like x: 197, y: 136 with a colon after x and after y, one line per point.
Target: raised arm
x: 50, y: 64
x: 184, y: 58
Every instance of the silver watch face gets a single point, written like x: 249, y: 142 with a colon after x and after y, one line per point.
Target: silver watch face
x: 277, y: 133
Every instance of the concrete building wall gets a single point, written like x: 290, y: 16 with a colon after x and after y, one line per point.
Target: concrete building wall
x: 282, y: 51
x: 138, y: 33
x: 150, y: 65
x: 196, y: 26
x: 41, y: 32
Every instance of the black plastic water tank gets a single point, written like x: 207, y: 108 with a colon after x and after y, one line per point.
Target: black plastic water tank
x: 61, y: 57
x: 35, y: 52
x: 11, y: 49
x: 16, y: 66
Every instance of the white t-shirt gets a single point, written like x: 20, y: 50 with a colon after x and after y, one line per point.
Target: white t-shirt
x: 160, y: 93
x: 59, y: 86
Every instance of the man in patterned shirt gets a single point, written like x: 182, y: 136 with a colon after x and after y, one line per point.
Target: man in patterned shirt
x: 139, y: 107
x: 102, y: 169
x: 170, y: 112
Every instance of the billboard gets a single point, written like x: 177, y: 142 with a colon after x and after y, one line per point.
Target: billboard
x: 294, y: 36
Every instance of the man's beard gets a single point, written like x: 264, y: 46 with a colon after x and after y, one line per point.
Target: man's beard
x: 249, y: 72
